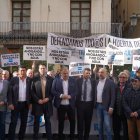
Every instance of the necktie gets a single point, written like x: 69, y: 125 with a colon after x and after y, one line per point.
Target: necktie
x: 85, y: 90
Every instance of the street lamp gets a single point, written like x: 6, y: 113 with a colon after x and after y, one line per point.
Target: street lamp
x: 134, y: 19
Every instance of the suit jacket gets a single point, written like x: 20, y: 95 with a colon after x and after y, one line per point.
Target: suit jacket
x: 108, y: 95
x: 57, y: 90
x: 3, y: 95
x: 38, y: 109
x: 13, y: 94
x: 79, y: 83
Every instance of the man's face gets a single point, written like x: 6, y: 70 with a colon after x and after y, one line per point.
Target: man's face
x: 135, y: 83
x: 86, y: 74
x: 42, y: 70
x: 22, y: 72
x: 65, y: 74
x: 102, y: 73
x: 30, y: 74
x: 5, y: 75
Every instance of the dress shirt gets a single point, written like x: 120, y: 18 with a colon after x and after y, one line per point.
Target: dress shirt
x: 22, y: 90
x: 65, y: 92
x: 100, y: 88
x: 1, y: 85
x: 88, y: 93
x: 43, y: 85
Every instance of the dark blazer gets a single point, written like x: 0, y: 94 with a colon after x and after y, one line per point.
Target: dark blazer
x: 13, y: 93
x: 3, y: 95
x: 79, y: 83
x: 38, y: 109
x: 57, y: 90
x: 108, y: 95
x: 131, y: 102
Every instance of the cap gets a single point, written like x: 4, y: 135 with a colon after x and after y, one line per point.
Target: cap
x: 137, y: 78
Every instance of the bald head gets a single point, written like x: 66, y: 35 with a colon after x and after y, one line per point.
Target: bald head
x: 102, y: 73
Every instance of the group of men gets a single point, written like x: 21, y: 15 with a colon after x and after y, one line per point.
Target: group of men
x: 71, y: 96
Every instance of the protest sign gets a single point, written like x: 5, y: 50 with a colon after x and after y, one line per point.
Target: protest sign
x: 34, y: 52
x: 96, y: 56
x: 136, y: 62
x: 76, y: 69
x: 115, y: 56
x: 12, y: 59
x: 58, y: 56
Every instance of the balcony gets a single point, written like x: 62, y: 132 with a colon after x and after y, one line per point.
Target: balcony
x: 20, y: 33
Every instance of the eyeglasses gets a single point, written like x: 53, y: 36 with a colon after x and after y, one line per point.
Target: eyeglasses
x: 134, y: 80
x: 122, y: 77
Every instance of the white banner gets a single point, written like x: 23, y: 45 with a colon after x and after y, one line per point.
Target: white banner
x: 34, y: 52
x: 96, y: 56
x: 12, y: 59
x: 76, y: 69
x: 77, y: 47
x: 58, y: 56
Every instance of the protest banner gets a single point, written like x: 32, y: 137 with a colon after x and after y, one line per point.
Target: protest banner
x: 76, y: 69
x: 96, y: 56
x: 136, y: 62
x: 12, y: 59
x: 115, y: 56
x: 73, y: 45
x: 34, y: 52
x: 58, y: 56
x: 77, y: 46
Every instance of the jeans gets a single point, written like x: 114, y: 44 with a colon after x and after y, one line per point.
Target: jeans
x: 2, y: 124
x: 104, y: 120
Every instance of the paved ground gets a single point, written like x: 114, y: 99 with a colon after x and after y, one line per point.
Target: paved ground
x: 41, y: 137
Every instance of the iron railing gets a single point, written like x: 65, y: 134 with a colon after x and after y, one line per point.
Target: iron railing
x: 37, y: 32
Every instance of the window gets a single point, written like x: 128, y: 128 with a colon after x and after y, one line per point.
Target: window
x: 80, y: 15
x: 21, y: 15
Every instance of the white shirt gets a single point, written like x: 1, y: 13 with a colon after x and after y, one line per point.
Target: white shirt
x: 22, y: 90
x: 100, y: 87
x: 1, y: 85
x: 65, y: 91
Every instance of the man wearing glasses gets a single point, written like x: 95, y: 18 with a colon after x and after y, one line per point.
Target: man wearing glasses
x: 131, y: 103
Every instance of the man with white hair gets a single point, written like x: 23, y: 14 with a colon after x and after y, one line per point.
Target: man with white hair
x: 29, y: 73
x: 5, y: 75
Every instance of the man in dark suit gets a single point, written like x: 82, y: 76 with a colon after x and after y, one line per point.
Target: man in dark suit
x: 18, y: 102
x: 63, y: 89
x: 105, y: 99
x: 4, y: 87
x: 42, y: 101
x: 84, y: 103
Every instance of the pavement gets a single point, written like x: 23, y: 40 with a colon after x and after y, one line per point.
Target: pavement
x: 55, y: 137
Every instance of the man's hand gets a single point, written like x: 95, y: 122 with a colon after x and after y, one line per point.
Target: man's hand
x: 40, y: 101
x: 110, y: 111
x: 65, y: 96
x: 135, y: 114
x: 1, y: 103
x: 69, y: 97
x: 11, y: 107
x: 132, y: 114
x: 45, y: 100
